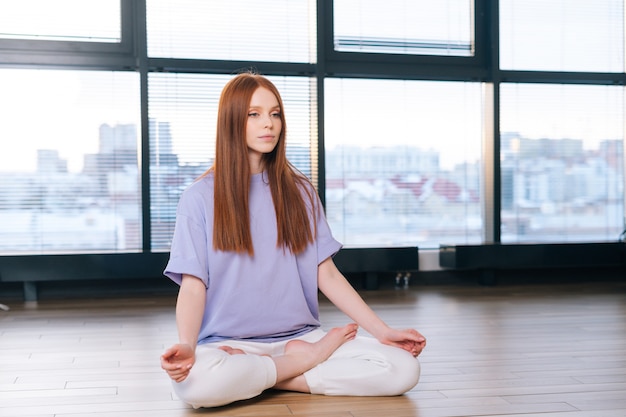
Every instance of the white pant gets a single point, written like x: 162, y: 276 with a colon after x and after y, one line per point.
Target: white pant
x: 360, y: 367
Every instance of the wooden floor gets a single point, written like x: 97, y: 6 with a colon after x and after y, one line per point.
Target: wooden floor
x: 549, y: 351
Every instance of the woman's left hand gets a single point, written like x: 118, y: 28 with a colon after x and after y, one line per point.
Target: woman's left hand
x: 409, y: 339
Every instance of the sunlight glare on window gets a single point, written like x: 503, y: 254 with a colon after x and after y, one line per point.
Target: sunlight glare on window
x: 61, y: 20
x: 562, y: 35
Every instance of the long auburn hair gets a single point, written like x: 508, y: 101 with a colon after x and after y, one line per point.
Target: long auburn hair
x: 231, y: 170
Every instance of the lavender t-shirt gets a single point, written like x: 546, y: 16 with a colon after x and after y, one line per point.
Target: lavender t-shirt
x: 268, y: 297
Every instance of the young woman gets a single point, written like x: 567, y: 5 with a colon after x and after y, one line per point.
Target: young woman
x: 251, y: 249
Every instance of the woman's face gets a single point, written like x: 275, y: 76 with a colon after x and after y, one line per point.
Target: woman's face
x: 263, y: 127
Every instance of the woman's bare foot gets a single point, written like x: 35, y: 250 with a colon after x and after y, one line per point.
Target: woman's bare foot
x: 301, y: 356
x: 312, y: 354
x: 235, y: 351
x: 232, y: 351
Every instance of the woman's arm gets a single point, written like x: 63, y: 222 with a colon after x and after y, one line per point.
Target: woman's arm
x: 190, y: 309
x: 338, y: 290
x: 178, y: 359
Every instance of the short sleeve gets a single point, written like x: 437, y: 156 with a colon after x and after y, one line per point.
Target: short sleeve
x: 189, y: 248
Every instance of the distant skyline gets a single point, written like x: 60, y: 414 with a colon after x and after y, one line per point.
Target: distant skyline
x: 63, y: 110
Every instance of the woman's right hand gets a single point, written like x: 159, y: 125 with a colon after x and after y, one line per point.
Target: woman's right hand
x: 178, y: 360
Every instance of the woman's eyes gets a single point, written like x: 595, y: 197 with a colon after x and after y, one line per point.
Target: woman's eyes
x: 256, y: 114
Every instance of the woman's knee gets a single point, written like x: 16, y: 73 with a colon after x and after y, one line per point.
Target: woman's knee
x: 197, y: 395
x: 219, y: 379
x: 404, y: 376
x: 202, y: 390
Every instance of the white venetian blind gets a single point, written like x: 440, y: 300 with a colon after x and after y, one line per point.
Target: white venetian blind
x: 183, y: 116
x: 279, y: 30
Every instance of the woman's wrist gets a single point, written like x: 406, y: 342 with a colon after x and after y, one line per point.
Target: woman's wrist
x: 380, y: 331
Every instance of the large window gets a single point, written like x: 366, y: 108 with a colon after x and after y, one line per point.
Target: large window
x: 69, y: 173
x: 403, y: 162
x: 562, y: 164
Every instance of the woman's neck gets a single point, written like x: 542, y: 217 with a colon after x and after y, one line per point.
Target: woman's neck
x: 256, y: 164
